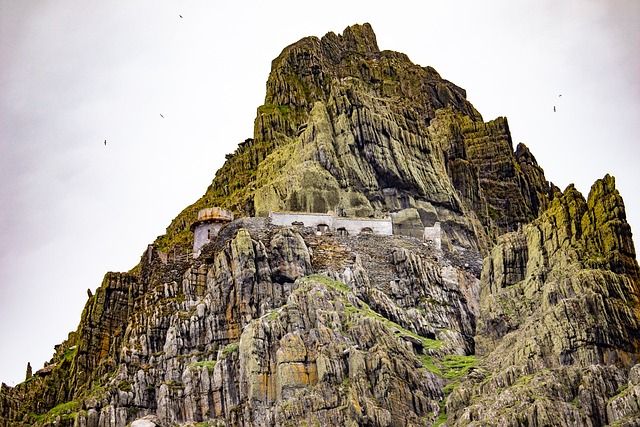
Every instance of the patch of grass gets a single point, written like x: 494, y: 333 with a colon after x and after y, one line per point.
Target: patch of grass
x: 64, y: 408
x: 451, y: 367
x: 524, y: 380
x: 328, y: 282
x: 284, y: 109
x: 230, y: 348
x: 622, y: 388
x: 442, y: 419
x: 450, y: 387
x: 442, y: 416
x: 430, y: 365
x: 66, y: 411
x: 273, y: 315
x: 209, y: 364
x: 576, y: 402
x: 208, y: 424
x: 69, y: 354
x: 39, y: 418
x: 429, y: 343
x: 456, y: 366
x: 272, y: 108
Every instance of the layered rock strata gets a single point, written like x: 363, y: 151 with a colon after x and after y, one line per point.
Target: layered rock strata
x: 351, y: 129
x: 279, y: 326
x: 559, y: 325
x: 273, y: 326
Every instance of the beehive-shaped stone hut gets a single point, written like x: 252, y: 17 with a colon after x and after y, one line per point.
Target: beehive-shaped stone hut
x: 207, y: 226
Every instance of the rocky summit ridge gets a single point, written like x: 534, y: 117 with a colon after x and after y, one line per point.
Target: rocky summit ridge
x: 527, y: 315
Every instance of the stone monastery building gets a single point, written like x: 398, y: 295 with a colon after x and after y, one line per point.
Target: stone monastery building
x: 211, y: 220
x: 341, y: 226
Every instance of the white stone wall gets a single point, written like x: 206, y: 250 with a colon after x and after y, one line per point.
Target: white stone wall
x: 433, y: 235
x: 286, y: 219
x: 203, y: 233
x: 353, y: 226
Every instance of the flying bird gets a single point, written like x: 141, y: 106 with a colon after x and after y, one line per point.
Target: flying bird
x: 180, y: 16
x: 161, y: 116
x: 105, y: 142
x: 554, y: 108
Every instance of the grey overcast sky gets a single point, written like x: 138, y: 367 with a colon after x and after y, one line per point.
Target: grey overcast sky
x: 76, y: 72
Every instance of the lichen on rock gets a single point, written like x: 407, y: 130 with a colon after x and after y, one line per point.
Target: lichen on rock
x: 551, y: 314
x: 527, y: 314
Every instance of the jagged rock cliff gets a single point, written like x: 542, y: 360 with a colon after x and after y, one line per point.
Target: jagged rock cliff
x: 272, y: 326
x: 558, y: 330
x: 349, y: 128
x: 528, y: 316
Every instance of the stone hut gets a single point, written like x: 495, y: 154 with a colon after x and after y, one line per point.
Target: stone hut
x: 433, y: 236
x: 207, y: 226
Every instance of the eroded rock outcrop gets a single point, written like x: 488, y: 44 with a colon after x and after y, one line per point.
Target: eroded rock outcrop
x: 559, y: 324
x: 252, y: 337
x: 348, y: 128
x: 284, y: 326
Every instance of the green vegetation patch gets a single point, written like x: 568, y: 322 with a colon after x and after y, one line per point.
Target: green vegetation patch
x: 230, y: 348
x: 430, y: 364
x: 327, y: 281
x: 442, y: 419
x: 209, y: 424
x: 65, y: 408
x: 69, y: 354
x: 66, y: 411
x: 622, y: 389
x: 456, y: 366
x: 124, y: 385
x: 442, y: 416
x: 209, y: 364
x: 272, y: 108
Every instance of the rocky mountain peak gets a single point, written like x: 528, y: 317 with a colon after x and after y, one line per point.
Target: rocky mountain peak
x: 607, y: 234
x: 348, y: 128
x: 354, y: 39
x: 305, y: 72
x: 525, y: 313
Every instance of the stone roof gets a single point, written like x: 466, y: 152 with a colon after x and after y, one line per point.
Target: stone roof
x: 212, y: 214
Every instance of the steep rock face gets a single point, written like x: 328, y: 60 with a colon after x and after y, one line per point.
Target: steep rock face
x: 335, y: 364
x: 89, y: 355
x: 559, y: 337
x: 102, y: 328
x: 349, y: 128
x: 503, y: 188
x: 270, y: 326
x: 279, y: 326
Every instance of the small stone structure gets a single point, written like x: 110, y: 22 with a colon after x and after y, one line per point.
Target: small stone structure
x: 433, y: 236
x: 210, y: 220
x: 207, y: 226
x: 328, y: 222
